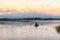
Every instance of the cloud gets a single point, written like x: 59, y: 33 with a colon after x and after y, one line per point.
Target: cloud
x: 50, y: 7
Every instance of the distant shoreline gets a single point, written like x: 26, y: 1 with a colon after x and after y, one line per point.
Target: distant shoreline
x: 27, y: 19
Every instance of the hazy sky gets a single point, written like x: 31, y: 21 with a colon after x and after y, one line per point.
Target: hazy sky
x: 51, y: 7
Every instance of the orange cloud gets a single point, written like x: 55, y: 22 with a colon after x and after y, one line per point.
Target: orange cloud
x: 51, y: 7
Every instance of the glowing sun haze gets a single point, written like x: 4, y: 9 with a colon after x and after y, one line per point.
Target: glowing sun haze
x: 50, y: 7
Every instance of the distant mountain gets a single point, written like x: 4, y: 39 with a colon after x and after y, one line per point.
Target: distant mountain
x: 28, y: 16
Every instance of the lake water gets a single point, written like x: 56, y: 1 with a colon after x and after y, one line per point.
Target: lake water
x: 27, y: 31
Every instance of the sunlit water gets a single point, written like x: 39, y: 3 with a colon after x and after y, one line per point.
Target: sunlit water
x: 27, y: 31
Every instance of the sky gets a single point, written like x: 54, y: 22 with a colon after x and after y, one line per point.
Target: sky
x: 48, y: 7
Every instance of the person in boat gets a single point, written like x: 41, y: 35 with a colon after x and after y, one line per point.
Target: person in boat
x: 36, y: 24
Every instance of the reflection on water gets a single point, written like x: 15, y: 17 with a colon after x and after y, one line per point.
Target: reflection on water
x: 27, y: 31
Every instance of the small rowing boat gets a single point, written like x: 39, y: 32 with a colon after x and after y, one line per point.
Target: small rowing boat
x: 36, y: 24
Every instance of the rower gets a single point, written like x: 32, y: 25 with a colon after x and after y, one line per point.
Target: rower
x: 36, y: 24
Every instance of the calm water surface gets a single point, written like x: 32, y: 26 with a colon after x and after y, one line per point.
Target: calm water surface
x: 27, y: 31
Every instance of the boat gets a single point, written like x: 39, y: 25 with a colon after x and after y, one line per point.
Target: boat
x: 36, y: 24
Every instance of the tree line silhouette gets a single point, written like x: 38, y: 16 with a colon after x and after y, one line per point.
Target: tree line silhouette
x: 12, y: 19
